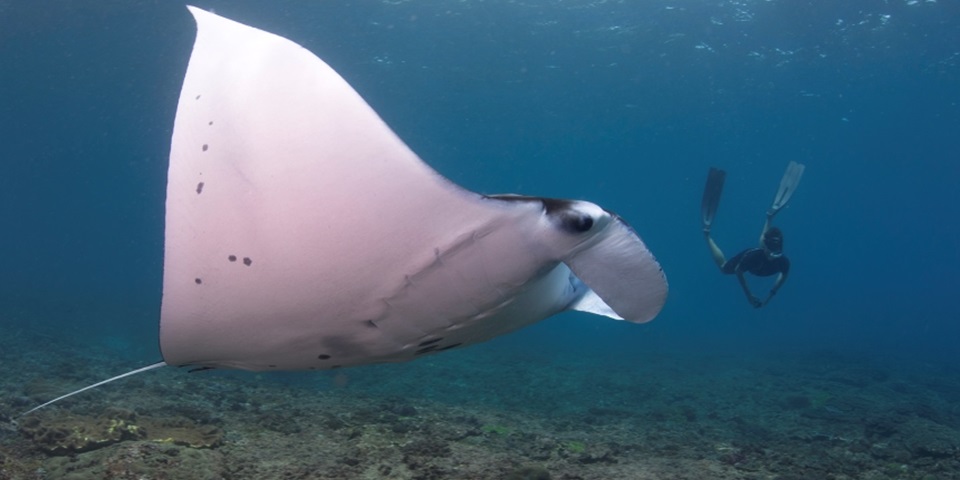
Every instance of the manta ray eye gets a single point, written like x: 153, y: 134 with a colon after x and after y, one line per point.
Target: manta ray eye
x: 576, y: 222
x: 568, y: 215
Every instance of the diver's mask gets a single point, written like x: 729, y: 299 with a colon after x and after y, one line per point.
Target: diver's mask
x: 773, y: 245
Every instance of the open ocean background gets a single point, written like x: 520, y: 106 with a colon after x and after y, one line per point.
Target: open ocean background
x: 623, y: 103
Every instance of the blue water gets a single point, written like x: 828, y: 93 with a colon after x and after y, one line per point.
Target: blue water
x: 625, y: 104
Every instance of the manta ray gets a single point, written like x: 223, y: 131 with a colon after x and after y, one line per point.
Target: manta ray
x: 302, y: 234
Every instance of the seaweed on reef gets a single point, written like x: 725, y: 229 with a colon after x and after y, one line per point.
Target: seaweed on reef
x: 529, y: 472
x: 70, y: 434
x: 138, y: 460
x: 497, y: 429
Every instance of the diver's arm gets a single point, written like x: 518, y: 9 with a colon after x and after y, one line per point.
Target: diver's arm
x: 781, y: 278
x: 746, y: 289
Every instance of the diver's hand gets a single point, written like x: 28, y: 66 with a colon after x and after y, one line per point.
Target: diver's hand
x: 769, y: 297
x: 755, y: 301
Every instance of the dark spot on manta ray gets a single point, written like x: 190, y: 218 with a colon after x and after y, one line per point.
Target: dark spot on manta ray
x: 425, y: 350
x: 232, y: 258
x: 430, y: 342
x: 323, y: 356
x: 205, y: 147
x: 198, y: 97
x: 371, y: 324
x: 247, y: 261
x: 197, y: 281
x: 210, y: 122
x: 199, y: 188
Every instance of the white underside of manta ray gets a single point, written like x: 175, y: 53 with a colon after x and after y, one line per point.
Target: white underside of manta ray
x: 302, y: 234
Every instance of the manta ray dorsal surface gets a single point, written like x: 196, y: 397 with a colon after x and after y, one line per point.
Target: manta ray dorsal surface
x: 301, y: 233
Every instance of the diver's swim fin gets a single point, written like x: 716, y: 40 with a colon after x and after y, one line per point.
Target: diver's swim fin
x: 788, y: 185
x: 711, y: 196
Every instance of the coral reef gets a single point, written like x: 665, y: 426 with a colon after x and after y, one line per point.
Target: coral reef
x: 735, y: 417
x: 69, y: 434
x: 136, y: 461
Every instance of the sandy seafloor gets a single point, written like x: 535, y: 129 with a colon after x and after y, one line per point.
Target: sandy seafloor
x: 485, y: 412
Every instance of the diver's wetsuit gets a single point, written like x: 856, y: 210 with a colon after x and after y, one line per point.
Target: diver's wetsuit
x: 755, y: 261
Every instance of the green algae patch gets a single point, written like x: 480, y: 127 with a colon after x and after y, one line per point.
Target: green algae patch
x: 819, y: 398
x: 497, y: 429
x: 69, y: 434
x: 574, y: 446
x: 530, y: 472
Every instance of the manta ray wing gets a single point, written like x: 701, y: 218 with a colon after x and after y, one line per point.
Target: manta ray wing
x: 301, y: 233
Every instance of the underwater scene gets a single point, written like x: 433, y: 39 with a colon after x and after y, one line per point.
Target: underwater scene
x: 791, y: 166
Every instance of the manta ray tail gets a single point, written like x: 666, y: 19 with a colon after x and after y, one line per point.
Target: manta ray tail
x: 95, y: 385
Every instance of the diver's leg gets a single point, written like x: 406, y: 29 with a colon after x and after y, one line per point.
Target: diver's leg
x: 715, y: 251
x: 708, y: 209
x: 711, y: 197
x: 766, y: 226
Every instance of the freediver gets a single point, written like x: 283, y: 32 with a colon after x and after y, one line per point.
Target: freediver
x: 765, y: 260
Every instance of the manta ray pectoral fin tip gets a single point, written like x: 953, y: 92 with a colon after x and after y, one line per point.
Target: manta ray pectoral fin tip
x: 623, y: 275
